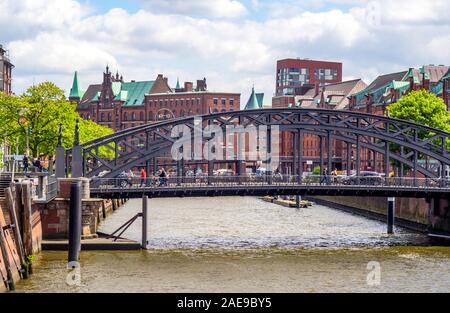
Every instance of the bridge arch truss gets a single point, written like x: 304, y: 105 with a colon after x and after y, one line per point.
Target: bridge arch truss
x: 398, y: 141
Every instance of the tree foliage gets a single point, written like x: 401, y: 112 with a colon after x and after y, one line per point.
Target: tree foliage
x: 423, y: 108
x: 40, y: 111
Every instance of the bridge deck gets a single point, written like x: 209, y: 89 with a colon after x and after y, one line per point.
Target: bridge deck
x: 264, y: 189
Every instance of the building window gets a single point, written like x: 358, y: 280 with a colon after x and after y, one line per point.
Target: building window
x: 102, y: 117
x: 141, y: 115
x: 109, y: 117
x: 133, y: 116
x: 224, y: 101
x: 150, y: 116
x: 325, y: 74
x: 231, y: 102
x: 216, y: 101
x: 125, y: 116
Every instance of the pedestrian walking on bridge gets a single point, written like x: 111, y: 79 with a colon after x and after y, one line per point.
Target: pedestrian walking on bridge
x: 143, y: 177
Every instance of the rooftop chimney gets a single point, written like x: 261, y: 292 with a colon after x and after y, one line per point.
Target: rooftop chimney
x: 188, y: 86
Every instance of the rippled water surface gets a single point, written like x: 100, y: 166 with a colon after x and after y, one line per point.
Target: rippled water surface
x: 243, y: 244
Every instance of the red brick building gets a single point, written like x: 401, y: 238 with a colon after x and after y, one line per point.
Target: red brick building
x: 297, y: 76
x: 5, y: 71
x: 331, y: 96
x: 389, y: 88
x: 119, y: 105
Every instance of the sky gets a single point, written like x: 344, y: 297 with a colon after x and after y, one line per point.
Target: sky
x: 233, y: 43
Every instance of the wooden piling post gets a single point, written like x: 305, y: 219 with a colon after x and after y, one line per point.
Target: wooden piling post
x: 27, y: 219
x: 6, y: 261
x: 16, y: 228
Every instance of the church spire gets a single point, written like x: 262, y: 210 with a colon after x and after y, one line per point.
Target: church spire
x: 75, y: 91
x: 178, y: 84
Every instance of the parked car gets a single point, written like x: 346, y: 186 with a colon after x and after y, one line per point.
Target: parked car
x: 365, y: 178
x: 124, y: 180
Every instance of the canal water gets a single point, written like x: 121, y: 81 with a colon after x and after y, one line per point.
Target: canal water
x: 243, y: 244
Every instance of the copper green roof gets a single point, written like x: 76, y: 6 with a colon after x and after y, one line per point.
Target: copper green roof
x: 253, y: 102
x: 398, y: 85
x: 116, y: 88
x: 414, y: 77
x: 75, y: 91
x: 178, y: 84
x: 135, y: 92
x: 260, y: 98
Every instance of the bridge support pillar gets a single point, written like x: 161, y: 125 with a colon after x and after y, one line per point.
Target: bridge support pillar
x: 391, y: 215
x: 144, y: 222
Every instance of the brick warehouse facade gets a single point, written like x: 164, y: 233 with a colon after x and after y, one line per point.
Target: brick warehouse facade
x: 120, y: 105
x: 5, y: 71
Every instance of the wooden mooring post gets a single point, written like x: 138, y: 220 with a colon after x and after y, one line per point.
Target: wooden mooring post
x: 144, y: 222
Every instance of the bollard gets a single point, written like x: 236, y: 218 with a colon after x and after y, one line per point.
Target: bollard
x: 75, y: 222
x: 298, y: 199
x: 144, y: 222
x: 391, y: 215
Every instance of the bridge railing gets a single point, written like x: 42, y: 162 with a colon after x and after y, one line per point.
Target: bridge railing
x: 268, y: 180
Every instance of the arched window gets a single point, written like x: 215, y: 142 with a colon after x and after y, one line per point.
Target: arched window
x: 141, y: 115
x: 125, y: 116
x: 133, y: 116
x: 109, y: 117
x: 102, y: 117
x: 182, y: 113
x: 150, y: 116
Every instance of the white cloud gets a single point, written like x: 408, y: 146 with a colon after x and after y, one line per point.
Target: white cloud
x: 190, y: 41
x: 205, y: 8
x: 26, y: 18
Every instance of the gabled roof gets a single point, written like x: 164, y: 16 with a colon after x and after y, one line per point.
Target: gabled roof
x: 89, y: 95
x: 378, y: 86
x: 384, y: 80
x: 333, y: 94
x: 435, y: 72
x: 432, y: 72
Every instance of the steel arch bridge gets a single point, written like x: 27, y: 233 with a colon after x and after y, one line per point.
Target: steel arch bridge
x: 422, y: 150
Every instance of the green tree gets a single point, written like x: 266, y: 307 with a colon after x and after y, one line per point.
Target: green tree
x: 423, y: 108
x: 41, y: 109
